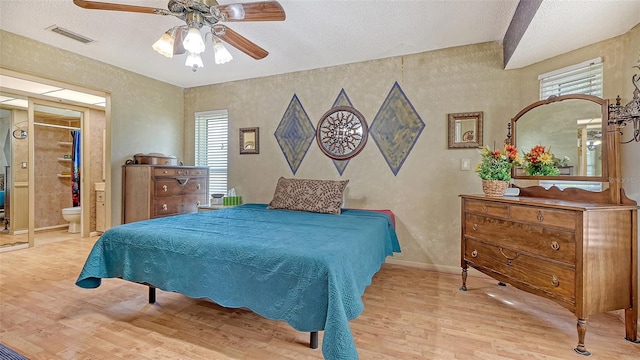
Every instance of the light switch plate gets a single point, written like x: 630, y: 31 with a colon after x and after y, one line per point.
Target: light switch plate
x: 465, y: 165
x: 23, y: 165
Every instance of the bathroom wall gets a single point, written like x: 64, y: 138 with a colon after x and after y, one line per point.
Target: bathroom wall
x: 52, y: 191
x: 52, y: 181
x: 95, y: 124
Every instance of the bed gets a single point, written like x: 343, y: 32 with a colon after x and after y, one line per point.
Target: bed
x: 308, y: 269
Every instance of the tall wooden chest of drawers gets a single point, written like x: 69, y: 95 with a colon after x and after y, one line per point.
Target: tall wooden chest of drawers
x: 151, y: 191
x: 581, y: 255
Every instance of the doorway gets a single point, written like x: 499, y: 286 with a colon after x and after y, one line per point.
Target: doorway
x: 47, y: 113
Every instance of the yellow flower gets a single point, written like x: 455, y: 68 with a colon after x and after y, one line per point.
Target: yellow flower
x: 546, y: 158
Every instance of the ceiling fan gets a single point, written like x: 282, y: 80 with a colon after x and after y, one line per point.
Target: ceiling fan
x: 197, y: 14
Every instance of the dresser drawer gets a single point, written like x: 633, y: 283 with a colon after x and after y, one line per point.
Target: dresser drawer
x: 180, y: 185
x: 556, y: 280
x: 543, y: 241
x: 487, y: 208
x: 554, y: 217
x: 191, y: 202
x: 178, y: 171
x: 170, y: 205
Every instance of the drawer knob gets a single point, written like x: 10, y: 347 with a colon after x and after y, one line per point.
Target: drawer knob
x: 165, y: 172
x: 164, y: 188
x: 555, y: 281
x: 475, y: 227
x: 555, y: 246
x: 198, y: 186
x: 474, y: 253
x: 540, y: 217
x: 484, y: 208
x: 165, y: 207
x: 198, y: 203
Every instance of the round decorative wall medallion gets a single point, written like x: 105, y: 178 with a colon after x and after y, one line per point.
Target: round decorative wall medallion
x: 342, y: 133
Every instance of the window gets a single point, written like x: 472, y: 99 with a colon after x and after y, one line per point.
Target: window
x: 211, y: 145
x: 584, y: 78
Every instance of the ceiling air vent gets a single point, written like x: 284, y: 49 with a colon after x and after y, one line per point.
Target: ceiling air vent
x: 70, y: 34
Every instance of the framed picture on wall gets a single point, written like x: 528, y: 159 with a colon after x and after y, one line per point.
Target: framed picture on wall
x: 465, y: 130
x: 249, y: 140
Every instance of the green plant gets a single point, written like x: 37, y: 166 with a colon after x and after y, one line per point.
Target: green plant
x: 497, y: 165
x: 540, y: 162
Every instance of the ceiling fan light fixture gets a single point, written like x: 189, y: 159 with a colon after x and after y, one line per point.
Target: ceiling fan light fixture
x: 193, y: 42
x: 220, y: 52
x: 194, y: 61
x: 164, y: 45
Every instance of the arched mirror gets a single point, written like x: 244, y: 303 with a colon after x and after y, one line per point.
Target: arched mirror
x: 573, y: 131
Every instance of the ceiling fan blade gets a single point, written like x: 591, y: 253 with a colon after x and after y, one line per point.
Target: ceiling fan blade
x: 257, y: 11
x: 96, y: 5
x: 240, y: 42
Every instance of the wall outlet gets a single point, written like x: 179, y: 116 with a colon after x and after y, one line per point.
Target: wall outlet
x: 465, y: 165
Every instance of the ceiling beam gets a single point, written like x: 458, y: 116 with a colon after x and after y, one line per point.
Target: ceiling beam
x: 522, y: 17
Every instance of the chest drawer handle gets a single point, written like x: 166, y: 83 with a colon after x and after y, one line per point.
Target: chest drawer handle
x: 509, y: 259
x: 475, y: 227
x: 555, y: 246
x: 484, y: 208
x: 164, y: 188
x: 474, y: 253
x: 198, y: 186
x: 540, y: 217
x: 182, y: 181
x: 555, y: 281
x: 165, y: 207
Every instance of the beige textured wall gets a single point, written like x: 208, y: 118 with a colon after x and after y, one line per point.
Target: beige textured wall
x: 424, y: 194
x: 630, y: 152
x: 146, y: 114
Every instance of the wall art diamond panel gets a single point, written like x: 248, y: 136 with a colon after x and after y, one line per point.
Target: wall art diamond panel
x: 295, y: 133
x: 396, y: 128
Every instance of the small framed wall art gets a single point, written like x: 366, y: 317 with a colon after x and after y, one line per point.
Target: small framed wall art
x: 249, y: 140
x: 465, y: 130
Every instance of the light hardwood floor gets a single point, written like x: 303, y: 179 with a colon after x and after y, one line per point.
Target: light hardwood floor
x: 409, y: 314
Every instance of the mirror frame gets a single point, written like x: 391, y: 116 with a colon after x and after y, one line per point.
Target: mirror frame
x: 475, y: 143
x: 608, y: 145
x: 243, y: 142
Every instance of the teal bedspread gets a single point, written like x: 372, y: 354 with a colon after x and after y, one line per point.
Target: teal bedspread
x: 307, y: 269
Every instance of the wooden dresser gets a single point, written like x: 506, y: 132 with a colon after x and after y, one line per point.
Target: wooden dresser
x: 151, y: 191
x: 583, y: 255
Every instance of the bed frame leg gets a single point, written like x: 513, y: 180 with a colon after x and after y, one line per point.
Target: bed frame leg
x: 152, y: 295
x: 313, y: 340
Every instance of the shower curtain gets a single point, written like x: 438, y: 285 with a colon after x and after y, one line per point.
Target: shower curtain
x: 75, y: 168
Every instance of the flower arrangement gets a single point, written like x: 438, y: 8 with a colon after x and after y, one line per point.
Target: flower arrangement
x: 540, y: 162
x: 497, y: 165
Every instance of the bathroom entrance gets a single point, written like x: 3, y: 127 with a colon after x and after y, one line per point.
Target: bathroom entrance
x: 45, y: 121
x: 58, y: 165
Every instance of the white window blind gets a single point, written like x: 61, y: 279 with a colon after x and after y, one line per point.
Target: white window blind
x: 211, y: 145
x: 584, y: 78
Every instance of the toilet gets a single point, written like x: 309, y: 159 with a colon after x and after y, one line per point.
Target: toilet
x: 72, y: 215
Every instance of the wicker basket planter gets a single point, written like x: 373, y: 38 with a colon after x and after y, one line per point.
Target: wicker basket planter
x: 494, y: 187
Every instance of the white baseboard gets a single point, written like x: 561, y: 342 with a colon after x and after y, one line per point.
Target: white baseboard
x: 14, y: 247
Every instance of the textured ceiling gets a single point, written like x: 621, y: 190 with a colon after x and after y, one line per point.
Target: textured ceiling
x: 321, y: 33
